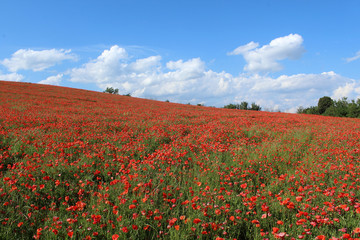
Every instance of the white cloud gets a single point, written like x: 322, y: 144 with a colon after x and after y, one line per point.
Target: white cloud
x: 357, y: 56
x: 106, y: 68
x: 350, y: 90
x: 265, y: 59
x: 191, y: 69
x: 297, y: 82
x: 27, y: 59
x: 148, y: 78
x: 244, y: 49
x: 52, y: 80
x: 292, y: 91
x: 146, y: 64
x: 190, y: 81
x: 14, y: 77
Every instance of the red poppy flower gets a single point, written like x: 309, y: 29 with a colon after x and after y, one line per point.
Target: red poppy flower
x: 197, y: 220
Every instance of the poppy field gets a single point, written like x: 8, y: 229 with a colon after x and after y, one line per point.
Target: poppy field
x: 77, y: 164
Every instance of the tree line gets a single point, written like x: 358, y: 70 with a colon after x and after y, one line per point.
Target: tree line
x: 335, y: 108
x: 243, y: 106
x: 112, y: 90
x: 326, y: 106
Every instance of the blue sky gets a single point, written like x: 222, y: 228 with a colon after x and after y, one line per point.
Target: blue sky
x: 279, y: 54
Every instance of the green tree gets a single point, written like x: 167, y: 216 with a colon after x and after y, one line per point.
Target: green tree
x: 312, y: 110
x: 342, y: 107
x: 301, y: 110
x: 244, y: 106
x: 354, y: 109
x: 232, y: 106
x: 331, y: 111
x: 255, y: 107
x: 111, y: 90
x: 324, y: 103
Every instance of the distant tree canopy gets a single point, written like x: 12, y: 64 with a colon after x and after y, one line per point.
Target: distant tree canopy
x: 336, y: 108
x: 324, y: 103
x: 243, y: 106
x: 111, y: 90
x: 255, y: 107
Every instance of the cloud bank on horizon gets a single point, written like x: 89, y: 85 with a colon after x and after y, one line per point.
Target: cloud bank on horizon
x: 190, y: 80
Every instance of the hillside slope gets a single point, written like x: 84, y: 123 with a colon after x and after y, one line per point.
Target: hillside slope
x: 88, y: 165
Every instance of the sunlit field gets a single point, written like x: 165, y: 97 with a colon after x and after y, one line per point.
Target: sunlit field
x: 88, y: 165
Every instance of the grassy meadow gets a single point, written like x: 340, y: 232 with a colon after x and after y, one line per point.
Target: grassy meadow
x: 78, y: 164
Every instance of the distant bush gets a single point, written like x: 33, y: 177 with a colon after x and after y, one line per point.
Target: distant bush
x: 255, y: 107
x: 232, y: 106
x: 111, y: 90
x: 243, y: 106
x: 309, y: 110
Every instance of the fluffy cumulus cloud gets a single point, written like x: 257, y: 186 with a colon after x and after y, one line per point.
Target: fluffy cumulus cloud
x: 146, y: 64
x: 293, y: 91
x: 52, y: 80
x: 14, y: 77
x: 350, y: 89
x: 265, y: 59
x: 147, y: 77
x: 191, y: 81
x: 28, y: 59
x: 109, y: 66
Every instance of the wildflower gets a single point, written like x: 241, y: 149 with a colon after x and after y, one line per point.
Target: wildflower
x: 70, y: 234
x: 346, y: 236
x: 196, y: 220
x: 281, y: 235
